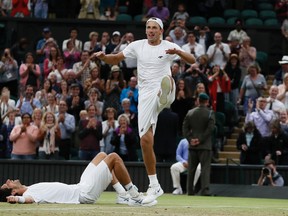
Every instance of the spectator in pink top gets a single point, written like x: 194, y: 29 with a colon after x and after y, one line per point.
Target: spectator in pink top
x: 24, y: 139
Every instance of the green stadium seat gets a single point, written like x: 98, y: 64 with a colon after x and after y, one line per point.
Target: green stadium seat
x: 231, y: 13
x: 261, y: 58
x: 197, y: 20
x: 122, y: 9
x: 124, y: 17
x: 231, y: 20
x: 267, y: 14
x: 216, y: 20
x: 138, y: 18
x: 253, y: 22
x: 265, y: 6
x: 271, y: 22
x: 248, y: 13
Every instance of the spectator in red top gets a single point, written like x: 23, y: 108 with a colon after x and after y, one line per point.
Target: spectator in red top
x: 20, y: 8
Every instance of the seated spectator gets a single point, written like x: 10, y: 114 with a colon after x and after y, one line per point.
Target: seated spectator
x: 203, y: 36
x: 94, y: 81
x: 52, y: 105
x: 273, y: 103
x: 125, y: 140
x: 94, y: 96
x: 29, y: 73
x: 283, y: 118
x: 181, y: 166
x: 27, y: 103
x: 277, y: 144
x: 203, y: 64
x: 108, y: 127
x: 109, y: 14
x: 9, y: 72
x: 90, y: 134
x: 24, y: 138
x: 279, y: 75
x: 252, y: 87
x: 50, y: 63
x: 89, y: 9
x: 49, y: 134
x: 178, y: 36
x: 91, y: 44
x: 133, y: 117
x: 73, y: 37
x: 181, y: 13
x: 249, y: 143
x: 131, y: 92
x: 269, y: 175
x: 159, y: 11
x: 114, y: 42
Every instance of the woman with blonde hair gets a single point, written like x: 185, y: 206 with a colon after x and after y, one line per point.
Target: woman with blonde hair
x: 94, y: 81
x: 48, y: 134
x: 283, y: 89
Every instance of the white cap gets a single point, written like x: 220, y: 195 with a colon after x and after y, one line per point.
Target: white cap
x: 284, y: 60
x: 116, y: 33
x: 157, y: 20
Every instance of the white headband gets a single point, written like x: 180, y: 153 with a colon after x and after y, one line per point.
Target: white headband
x: 157, y: 20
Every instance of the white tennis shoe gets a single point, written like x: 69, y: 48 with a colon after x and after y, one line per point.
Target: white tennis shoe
x: 153, y: 193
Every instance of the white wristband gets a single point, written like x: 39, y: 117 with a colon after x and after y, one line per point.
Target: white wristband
x: 21, y: 199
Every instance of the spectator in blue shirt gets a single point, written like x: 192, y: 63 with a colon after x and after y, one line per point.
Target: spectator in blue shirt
x: 131, y: 92
x: 28, y: 103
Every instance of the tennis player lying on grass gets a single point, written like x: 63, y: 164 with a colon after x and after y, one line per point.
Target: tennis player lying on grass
x: 101, y: 171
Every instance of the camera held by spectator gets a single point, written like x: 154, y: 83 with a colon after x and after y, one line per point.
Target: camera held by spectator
x: 269, y: 175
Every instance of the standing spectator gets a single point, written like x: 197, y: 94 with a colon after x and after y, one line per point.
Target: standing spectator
x: 279, y: 75
x: 220, y: 84
x: 37, y: 117
x: 83, y: 67
x: 50, y: 64
x: 6, y: 103
x: 52, y: 105
x: 165, y: 138
x: 249, y: 143
x: 181, y: 13
x: 28, y: 103
x: 19, y: 50
x: 247, y: 56
x: 178, y: 36
x: 252, y: 86
x: 114, y: 42
x: 90, y: 134
x: 273, y: 103
x: 133, y: 117
x: 29, y: 73
x: 40, y: 9
x: 67, y: 127
x: 277, y: 144
x: 233, y: 71
x: 238, y: 32
x: 182, y: 166
x: 73, y: 37
x: 71, y: 55
x: 49, y: 134
x: 284, y: 31
x: 60, y: 71
x: 114, y: 85
x: 192, y: 46
x: 219, y: 52
x: 92, y: 43
x: 159, y: 11
x: 42, y: 95
x: 283, y: 88
x: 63, y: 91
x: 9, y: 73
x: 94, y: 81
x: 20, y: 8
x: 198, y: 129
x: 24, y: 138
x: 124, y: 139
x: 89, y: 9
x: 204, y: 36
x: 108, y: 127
x: 94, y: 96
x: 131, y: 92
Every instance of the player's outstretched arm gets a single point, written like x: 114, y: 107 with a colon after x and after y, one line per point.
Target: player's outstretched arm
x: 112, y: 59
x: 187, y: 57
x: 19, y: 199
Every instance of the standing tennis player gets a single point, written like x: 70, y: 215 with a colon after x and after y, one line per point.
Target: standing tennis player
x: 156, y: 88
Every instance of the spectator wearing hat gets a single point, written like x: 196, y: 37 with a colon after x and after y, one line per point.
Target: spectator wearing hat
x: 247, y: 56
x: 198, y: 127
x: 114, y: 85
x: 234, y: 73
x: 73, y: 37
x: 238, y: 32
x: 249, y: 143
x: 89, y: 9
x: 83, y: 67
x: 114, y: 42
x: 269, y: 175
x: 75, y: 102
x: 93, y: 40
x: 279, y: 75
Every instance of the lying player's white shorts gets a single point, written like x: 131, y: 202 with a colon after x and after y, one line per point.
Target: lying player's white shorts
x: 94, y: 180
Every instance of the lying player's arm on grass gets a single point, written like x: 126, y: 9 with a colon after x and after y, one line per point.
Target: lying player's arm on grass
x: 19, y: 199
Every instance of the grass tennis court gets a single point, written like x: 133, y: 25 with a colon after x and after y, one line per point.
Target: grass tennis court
x: 167, y: 205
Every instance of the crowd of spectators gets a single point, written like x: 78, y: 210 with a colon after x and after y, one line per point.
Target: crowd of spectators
x: 60, y: 97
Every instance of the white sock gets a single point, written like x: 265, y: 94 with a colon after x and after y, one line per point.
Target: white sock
x: 132, y: 189
x: 119, y: 188
x: 153, y: 180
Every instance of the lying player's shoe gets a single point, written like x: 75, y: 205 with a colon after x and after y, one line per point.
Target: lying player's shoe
x: 123, y: 198
x: 166, y: 88
x: 153, y: 193
x: 138, y: 201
